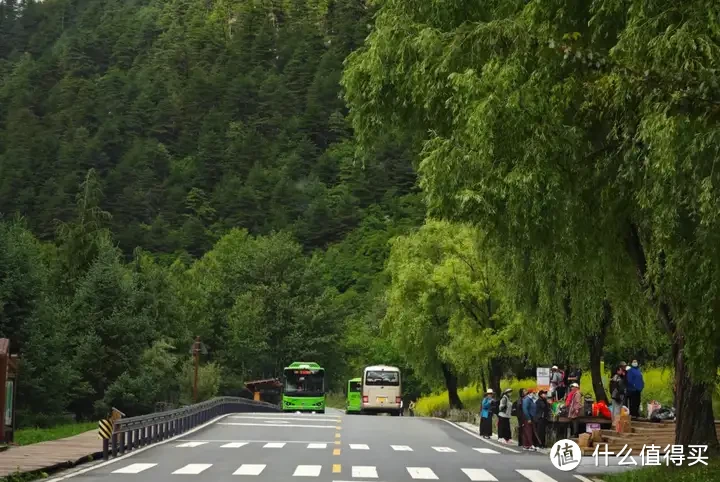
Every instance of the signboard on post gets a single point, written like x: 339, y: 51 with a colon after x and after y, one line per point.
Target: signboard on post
x: 543, y: 378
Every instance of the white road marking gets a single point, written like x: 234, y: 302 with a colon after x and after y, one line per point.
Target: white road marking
x: 192, y: 469
x: 359, y: 447
x: 264, y: 441
x: 274, y: 445
x: 250, y: 469
x: 421, y: 473
x: 191, y: 444
x: 307, y: 471
x: 584, y: 479
x: 479, y: 475
x: 276, y: 421
x: 401, y: 448
x: 233, y: 445
x: 503, y: 447
x: 443, y: 449
x: 317, y: 446
x: 364, y: 471
x: 278, y: 425
x: 291, y: 419
x: 133, y: 469
x: 487, y: 451
x: 535, y: 476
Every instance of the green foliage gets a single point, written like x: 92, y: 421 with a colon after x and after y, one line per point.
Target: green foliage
x: 581, y: 138
x: 27, y: 436
x: 208, y: 382
x: 183, y: 170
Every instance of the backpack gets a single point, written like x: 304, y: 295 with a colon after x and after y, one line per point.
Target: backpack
x: 515, y: 409
x: 494, y: 407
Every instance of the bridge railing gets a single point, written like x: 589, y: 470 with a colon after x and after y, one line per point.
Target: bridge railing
x: 135, y: 432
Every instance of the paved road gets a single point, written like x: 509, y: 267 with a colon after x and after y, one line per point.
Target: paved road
x: 329, y: 447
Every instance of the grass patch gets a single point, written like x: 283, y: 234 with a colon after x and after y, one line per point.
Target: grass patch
x: 27, y: 436
x: 335, y: 400
x: 696, y: 473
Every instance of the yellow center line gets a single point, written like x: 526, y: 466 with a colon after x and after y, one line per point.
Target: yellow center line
x: 337, y: 442
x: 338, y: 428
x: 336, y: 451
x: 337, y: 435
x: 337, y: 468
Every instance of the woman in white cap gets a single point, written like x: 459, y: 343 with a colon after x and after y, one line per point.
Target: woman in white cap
x: 504, y: 414
x: 555, y: 382
x: 486, y: 414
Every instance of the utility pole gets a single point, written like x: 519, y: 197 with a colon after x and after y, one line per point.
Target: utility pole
x: 196, y: 356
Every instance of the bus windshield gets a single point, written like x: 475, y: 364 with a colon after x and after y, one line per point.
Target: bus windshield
x: 305, y: 382
x: 377, y: 378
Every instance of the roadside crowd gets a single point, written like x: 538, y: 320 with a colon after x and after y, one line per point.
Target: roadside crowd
x: 534, y: 409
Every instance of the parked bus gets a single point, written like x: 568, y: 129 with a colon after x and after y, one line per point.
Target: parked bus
x: 303, y: 388
x: 382, y: 390
x: 354, y: 396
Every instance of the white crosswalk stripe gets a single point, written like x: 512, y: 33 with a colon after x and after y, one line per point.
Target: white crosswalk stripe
x: 479, y: 475
x: 487, y: 451
x: 317, y: 446
x: 250, y: 469
x: 274, y: 445
x: 234, y: 445
x: 359, y: 472
x: 364, y: 472
x: 401, y: 448
x: 443, y: 449
x: 422, y: 473
x: 192, y: 444
x: 192, y: 469
x: 134, y: 468
x: 535, y: 476
x: 307, y: 470
x: 359, y: 447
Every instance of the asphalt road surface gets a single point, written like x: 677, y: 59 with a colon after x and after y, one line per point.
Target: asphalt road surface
x: 330, y: 447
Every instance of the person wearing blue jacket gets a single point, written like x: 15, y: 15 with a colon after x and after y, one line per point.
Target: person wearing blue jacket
x: 486, y: 414
x: 529, y: 410
x: 635, y: 385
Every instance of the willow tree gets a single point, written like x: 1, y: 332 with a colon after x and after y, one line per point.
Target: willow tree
x: 583, y: 128
x: 446, y: 307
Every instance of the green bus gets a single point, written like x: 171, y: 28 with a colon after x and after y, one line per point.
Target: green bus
x: 354, y: 396
x: 303, y: 388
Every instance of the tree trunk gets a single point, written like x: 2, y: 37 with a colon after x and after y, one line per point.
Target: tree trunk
x: 694, y: 420
x: 495, y: 374
x: 451, y: 384
x: 597, y: 347
x: 482, y: 380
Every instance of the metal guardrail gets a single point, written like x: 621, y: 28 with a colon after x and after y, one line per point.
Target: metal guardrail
x: 135, y: 432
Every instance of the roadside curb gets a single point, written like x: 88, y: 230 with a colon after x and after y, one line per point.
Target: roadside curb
x: 459, y: 427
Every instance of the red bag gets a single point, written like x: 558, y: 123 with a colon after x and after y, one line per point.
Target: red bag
x: 603, y: 410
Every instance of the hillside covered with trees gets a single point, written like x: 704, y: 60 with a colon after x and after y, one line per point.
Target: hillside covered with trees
x: 179, y: 168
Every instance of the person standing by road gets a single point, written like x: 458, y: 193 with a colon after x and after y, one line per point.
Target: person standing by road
x: 529, y: 410
x: 411, y: 408
x: 574, y: 404
x: 574, y: 375
x: 542, y: 415
x: 504, y: 414
x: 486, y: 415
x: 635, y: 385
x: 556, y: 382
x: 518, y: 411
x: 618, y: 392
